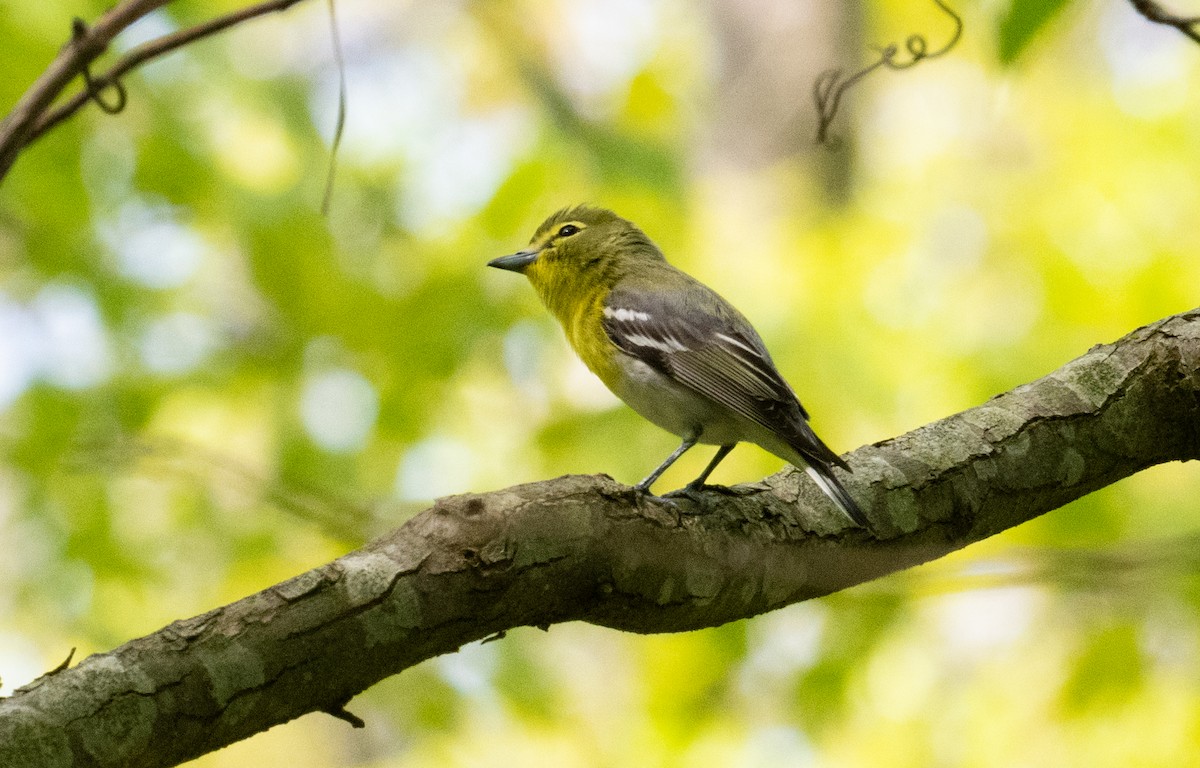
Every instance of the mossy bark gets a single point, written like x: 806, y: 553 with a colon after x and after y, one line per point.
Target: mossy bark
x: 586, y: 548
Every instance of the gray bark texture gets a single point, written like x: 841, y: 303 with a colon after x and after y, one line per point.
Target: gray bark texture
x: 586, y: 549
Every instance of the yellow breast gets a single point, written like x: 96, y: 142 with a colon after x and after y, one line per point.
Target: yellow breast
x: 585, y: 330
x: 578, y: 305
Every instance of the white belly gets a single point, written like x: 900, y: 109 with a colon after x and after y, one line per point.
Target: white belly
x: 676, y: 408
x: 685, y: 413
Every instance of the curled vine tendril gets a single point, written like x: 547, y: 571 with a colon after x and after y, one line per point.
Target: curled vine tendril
x: 832, y: 84
x: 95, y: 88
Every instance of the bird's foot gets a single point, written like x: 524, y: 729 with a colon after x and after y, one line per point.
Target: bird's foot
x: 695, y: 493
x: 641, y: 492
x: 692, y: 493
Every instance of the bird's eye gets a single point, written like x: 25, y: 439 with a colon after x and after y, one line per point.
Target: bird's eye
x: 567, y: 230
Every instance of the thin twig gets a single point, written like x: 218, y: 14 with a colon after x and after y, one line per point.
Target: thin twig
x: 340, y: 127
x: 32, y: 116
x: 152, y: 50
x: 830, y: 85
x: 66, y: 663
x: 80, y: 51
x: 1159, y: 15
x: 341, y: 113
x: 341, y: 713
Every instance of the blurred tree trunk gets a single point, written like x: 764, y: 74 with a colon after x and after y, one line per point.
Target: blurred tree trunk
x: 770, y: 52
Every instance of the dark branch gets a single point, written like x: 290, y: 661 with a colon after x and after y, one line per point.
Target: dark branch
x: 341, y: 713
x: 150, y: 51
x: 1159, y: 15
x: 80, y: 52
x: 585, y: 548
x: 33, y: 116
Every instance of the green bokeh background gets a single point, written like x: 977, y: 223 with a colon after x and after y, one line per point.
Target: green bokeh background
x: 206, y: 386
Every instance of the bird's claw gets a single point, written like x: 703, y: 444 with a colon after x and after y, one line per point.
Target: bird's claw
x: 642, y: 493
x: 691, y: 492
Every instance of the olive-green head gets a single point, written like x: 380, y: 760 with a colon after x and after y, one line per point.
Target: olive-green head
x: 579, y: 250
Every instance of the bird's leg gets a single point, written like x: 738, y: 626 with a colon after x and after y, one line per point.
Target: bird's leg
x: 692, y: 489
x: 698, y: 483
x: 644, y: 486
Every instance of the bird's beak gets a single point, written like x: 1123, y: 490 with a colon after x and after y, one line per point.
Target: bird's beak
x: 516, y: 262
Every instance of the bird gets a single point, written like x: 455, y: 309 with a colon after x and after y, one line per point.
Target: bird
x: 669, y: 346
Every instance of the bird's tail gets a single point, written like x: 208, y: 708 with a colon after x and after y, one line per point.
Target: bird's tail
x: 824, y: 478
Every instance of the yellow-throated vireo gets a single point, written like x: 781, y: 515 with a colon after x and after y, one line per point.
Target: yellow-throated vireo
x: 669, y: 346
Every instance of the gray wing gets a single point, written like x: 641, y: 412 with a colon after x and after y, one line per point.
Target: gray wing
x: 714, y: 351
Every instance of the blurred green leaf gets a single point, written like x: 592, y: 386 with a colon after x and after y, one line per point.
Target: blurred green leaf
x: 1108, y: 670
x: 1023, y: 21
x: 858, y: 621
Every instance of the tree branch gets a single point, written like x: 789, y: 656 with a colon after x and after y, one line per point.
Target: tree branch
x: 582, y: 548
x: 1159, y: 15
x: 32, y: 115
